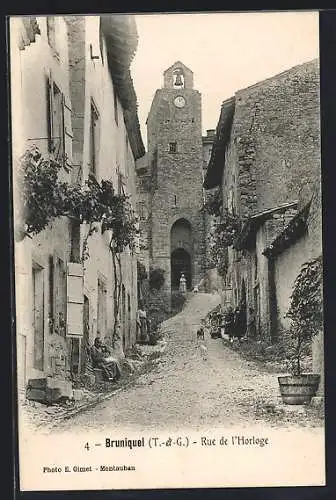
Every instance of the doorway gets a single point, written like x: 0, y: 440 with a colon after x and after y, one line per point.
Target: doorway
x: 38, y: 317
x: 86, y: 334
x: 180, y: 263
x: 243, y: 306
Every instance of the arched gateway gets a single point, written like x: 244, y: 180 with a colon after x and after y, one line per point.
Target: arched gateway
x: 181, y: 252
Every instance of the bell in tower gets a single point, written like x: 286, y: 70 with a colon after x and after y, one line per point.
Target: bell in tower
x: 178, y: 79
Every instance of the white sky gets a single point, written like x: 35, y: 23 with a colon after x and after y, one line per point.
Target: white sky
x: 226, y: 52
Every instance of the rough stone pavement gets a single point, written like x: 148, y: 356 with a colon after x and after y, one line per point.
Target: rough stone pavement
x: 185, y: 390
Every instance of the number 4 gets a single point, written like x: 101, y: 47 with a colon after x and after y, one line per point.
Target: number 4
x: 87, y: 446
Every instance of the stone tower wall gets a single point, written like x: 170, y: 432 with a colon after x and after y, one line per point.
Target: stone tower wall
x: 178, y: 192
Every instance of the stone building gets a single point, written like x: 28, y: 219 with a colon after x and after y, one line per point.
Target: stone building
x: 72, y: 89
x: 266, y: 159
x: 41, y: 116
x: 170, y: 182
x: 106, y: 143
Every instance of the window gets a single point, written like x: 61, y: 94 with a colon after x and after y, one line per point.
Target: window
x: 175, y: 200
x: 142, y: 210
x: 55, y: 121
x: 94, y: 139
x: 172, y: 147
x: 58, y: 138
x: 75, y: 242
x: 53, y: 34
x: 115, y: 97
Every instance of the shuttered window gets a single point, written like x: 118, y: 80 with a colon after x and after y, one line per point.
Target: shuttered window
x: 75, y: 300
x: 55, y: 120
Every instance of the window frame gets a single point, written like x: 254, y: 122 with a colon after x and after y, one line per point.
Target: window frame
x: 172, y: 147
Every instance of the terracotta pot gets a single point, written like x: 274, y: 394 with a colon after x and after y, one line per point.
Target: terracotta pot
x: 298, y: 389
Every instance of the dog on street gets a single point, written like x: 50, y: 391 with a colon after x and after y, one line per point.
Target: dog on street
x: 200, y: 333
x: 204, y: 351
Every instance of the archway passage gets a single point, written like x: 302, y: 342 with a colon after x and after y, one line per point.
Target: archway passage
x: 180, y: 263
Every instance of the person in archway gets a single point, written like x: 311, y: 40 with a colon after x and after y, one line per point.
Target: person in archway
x: 252, y: 325
x: 183, y: 283
x: 141, y: 322
x: 239, y: 323
x: 229, y: 323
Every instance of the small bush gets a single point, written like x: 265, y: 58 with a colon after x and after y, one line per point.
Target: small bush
x: 156, y: 278
x: 156, y: 307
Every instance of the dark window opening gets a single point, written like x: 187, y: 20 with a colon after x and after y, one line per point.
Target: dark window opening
x: 75, y: 242
x: 142, y: 210
x: 172, y: 147
x: 55, y: 121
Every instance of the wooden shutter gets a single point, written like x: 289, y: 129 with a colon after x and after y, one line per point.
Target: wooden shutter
x: 62, y: 149
x: 49, y: 106
x: 75, y: 300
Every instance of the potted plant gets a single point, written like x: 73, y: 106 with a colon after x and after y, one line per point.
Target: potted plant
x: 306, y: 315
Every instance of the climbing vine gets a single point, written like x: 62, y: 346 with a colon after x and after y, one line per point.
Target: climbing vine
x: 44, y: 198
x: 213, y: 203
x: 305, y: 310
x: 222, y: 237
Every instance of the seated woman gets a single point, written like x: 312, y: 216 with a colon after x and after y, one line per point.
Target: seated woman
x: 100, y: 354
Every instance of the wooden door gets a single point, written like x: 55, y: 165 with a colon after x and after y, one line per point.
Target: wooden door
x: 38, y: 317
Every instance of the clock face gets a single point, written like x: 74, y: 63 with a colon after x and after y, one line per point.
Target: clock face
x: 179, y: 101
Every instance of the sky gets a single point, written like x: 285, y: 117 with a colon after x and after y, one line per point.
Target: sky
x: 226, y: 52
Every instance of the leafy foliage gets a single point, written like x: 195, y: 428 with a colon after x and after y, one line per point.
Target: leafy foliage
x: 305, y: 311
x: 40, y: 199
x: 44, y: 198
x: 213, y: 203
x: 221, y: 238
x: 156, y: 278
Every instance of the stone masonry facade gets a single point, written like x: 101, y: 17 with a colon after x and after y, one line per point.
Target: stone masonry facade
x: 266, y: 158
x: 274, y: 142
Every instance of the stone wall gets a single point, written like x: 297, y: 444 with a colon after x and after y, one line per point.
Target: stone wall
x: 276, y: 137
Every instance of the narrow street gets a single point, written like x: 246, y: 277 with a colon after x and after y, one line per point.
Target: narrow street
x: 186, y: 390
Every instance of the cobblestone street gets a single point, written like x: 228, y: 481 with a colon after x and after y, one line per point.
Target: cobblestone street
x: 186, y: 390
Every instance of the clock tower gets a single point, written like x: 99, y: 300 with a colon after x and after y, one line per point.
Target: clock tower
x: 174, y: 199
